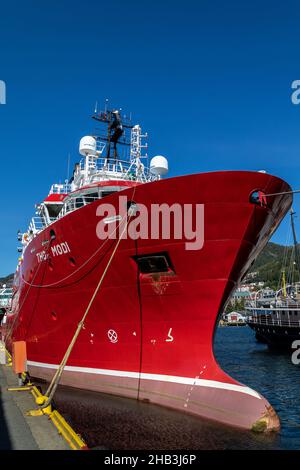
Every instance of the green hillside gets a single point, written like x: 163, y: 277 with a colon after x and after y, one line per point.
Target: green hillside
x: 270, y: 263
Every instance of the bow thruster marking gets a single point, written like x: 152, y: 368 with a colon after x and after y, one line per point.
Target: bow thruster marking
x: 112, y: 336
x: 170, y: 337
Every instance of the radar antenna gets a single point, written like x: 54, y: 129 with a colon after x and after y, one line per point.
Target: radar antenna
x: 116, y: 130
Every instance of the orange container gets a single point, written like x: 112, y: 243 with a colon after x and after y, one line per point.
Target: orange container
x: 19, y: 357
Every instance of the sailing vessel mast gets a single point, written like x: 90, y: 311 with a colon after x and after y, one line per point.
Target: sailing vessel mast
x: 297, y: 256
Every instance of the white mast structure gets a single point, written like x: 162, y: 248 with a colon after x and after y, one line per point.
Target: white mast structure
x: 136, y: 146
x: 96, y: 168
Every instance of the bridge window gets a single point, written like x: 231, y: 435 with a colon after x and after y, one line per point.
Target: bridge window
x: 107, y: 193
x: 79, y: 202
x: 91, y: 197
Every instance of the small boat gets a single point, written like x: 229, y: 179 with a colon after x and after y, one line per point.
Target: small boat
x: 275, y: 316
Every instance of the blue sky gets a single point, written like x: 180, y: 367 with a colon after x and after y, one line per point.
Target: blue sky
x: 209, y: 80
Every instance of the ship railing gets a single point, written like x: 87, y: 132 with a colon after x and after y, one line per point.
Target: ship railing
x: 39, y: 223
x: 125, y: 169
x: 273, y: 322
x: 76, y: 202
x: 287, y: 304
x: 60, y: 189
x: 279, y: 305
x: 274, y: 317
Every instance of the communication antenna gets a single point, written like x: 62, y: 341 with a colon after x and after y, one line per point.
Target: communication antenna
x: 68, y: 167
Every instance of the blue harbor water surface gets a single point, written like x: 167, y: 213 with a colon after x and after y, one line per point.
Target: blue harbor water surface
x: 269, y: 372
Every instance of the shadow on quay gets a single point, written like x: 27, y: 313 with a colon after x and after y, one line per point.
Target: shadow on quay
x: 5, y: 442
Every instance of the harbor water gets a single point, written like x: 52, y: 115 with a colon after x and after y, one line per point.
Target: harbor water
x: 270, y: 372
x: 108, y: 422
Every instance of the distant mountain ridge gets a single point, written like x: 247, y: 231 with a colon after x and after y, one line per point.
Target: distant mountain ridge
x: 8, y: 280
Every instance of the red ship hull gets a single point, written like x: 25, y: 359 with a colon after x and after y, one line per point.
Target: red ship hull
x: 165, y: 323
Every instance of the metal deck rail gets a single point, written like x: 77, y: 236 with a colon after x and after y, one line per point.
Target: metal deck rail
x: 275, y: 318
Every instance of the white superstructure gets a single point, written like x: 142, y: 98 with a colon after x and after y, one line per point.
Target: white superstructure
x: 95, y: 167
x: 5, y: 297
x: 100, y: 164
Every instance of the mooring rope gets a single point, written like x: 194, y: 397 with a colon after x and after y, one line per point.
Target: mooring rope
x: 56, y: 378
x: 41, y: 286
x: 295, y: 191
x: 9, y: 331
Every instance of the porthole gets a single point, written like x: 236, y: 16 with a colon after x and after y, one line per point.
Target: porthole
x: 258, y: 197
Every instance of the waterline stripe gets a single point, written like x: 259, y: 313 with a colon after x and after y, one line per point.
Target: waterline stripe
x: 157, y: 377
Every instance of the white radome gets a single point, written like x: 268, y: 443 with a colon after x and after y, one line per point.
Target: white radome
x: 87, y: 145
x: 159, y: 166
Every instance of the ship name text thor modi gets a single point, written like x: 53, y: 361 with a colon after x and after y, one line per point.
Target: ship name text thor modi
x: 124, y: 275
